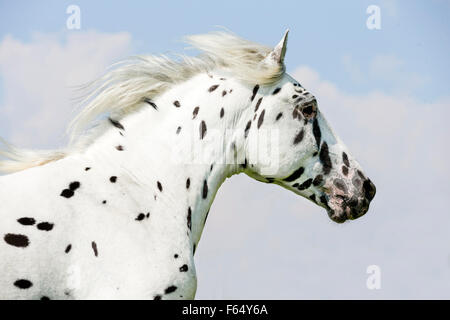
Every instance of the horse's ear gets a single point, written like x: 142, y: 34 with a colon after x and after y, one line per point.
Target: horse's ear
x: 276, y: 56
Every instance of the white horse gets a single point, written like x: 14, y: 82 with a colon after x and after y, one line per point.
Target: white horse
x: 119, y: 212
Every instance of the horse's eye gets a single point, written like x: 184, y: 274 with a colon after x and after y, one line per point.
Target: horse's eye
x: 309, y: 110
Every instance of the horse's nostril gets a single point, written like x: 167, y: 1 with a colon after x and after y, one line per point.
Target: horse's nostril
x: 369, y: 189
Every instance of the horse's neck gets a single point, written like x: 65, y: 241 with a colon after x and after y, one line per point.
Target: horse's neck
x: 182, y: 150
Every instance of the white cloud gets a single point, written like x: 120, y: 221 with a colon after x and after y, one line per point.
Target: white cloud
x: 39, y: 79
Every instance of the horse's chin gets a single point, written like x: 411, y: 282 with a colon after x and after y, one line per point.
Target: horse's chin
x: 337, y: 210
x: 341, y: 212
x: 338, y: 216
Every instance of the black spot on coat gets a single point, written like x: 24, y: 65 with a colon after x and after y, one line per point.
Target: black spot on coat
x: 212, y: 88
x: 344, y: 170
x: 23, y: 284
x: 94, y: 248
x: 222, y: 112
x: 205, y: 189
x: 140, y: 217
x: 45, y: 226
x: 323, y: 199
x: 317, y: 180
x: 184, y: 268
x: 345, y: 159
x: 296, y: 114
x: 26, y: 221
x: 202, y: 129
x: 188, y: 183
x: 68, y: 248
x: 17, y: 240
x: 247, y: 128
x: 261, y: 118
x: 295, y: 175
x: 67, y: 193
x: 305, y: 185
x: 170, y: 289
x: 116, y: 124
x: 299, y: 137
x: 244, y: 165
x: 195, y: 112
x: 324, y: 157
x: 74, y: 185
x: 316, y: 132
x: 356, y: 181
x: 258, y: 103
x: 276, y: 91
x: 189, y: 219
x: 159, y: 185
x: 255, y: 91
x: 177, y: 103
x: 150, y: 102
x: 113, y: 179
x: 279, y: 116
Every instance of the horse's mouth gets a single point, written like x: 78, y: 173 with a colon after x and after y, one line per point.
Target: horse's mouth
x: 338, y: 218
x: 347, y: 205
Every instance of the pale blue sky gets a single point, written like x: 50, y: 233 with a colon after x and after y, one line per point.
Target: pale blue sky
x: 385, y: 92
x: 323, y: 32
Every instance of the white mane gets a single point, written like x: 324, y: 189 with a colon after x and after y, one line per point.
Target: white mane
x: 121, y: 91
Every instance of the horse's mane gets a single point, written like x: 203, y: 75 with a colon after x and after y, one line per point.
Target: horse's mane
x: 122, y: 90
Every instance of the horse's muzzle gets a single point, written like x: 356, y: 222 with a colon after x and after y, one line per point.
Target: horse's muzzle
x: 349, y: 207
